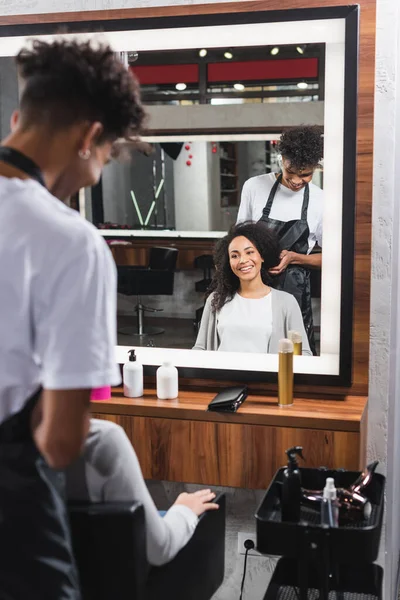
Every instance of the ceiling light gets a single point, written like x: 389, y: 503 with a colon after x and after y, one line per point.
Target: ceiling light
x: 302, y: 85
x: 239, y: 87
x: 228, y: 55
x: 132, y: 57
x: 181, y: 86
x: 300, y: 49
x: 202, y: 52
x: 274, y: 51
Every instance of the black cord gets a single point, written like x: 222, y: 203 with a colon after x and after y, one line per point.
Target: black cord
x: 249, y: 545
x: 244, y: 573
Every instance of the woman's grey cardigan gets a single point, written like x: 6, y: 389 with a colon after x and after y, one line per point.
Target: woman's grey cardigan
x: 286, y: 316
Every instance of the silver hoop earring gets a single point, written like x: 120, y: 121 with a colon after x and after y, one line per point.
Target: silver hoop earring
x: 84, y: 154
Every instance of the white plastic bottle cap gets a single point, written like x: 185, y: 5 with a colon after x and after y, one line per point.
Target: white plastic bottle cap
x: 295, y: 336
x: 367, y: 510
x: 329, y: 489
x: 285, y: 346
x: 167, y: 363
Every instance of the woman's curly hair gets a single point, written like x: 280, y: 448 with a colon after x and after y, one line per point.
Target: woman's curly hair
x: 303, y: 146
x: 66, y: 82
x: 225, y: 283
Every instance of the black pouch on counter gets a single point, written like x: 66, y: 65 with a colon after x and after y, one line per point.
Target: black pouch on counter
x: 229, y: 399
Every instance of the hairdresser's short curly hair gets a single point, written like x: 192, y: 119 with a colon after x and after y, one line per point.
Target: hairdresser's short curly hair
x: 302, y: 146
x: 69, y: 81
x: 225, y: 283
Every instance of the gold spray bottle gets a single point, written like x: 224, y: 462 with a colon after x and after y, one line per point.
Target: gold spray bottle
x: 297, y: 340
x: 285, y: 373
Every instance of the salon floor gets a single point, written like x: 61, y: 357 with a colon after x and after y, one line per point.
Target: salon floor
x: 178, y: 333
x: 241, y: 505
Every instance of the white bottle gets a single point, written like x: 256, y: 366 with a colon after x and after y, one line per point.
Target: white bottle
x: 330, y: 505
x: 133, y: 377
x: 167, y: 381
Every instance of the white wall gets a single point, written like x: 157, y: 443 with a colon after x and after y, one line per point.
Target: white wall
x: 384, y: 409
x: 191, y: 189
x: 31, y: 7
x: 382, y: 441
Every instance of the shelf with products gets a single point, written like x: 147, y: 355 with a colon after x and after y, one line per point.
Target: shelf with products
x: 229, y: 195
x: 271, y: 157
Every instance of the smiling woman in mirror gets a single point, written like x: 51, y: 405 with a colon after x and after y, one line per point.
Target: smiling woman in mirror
x: 292, y: 206
x: 242, y: 312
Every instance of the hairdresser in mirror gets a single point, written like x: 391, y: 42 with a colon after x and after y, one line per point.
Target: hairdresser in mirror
x: 292, y: 206
x: 242, y: 312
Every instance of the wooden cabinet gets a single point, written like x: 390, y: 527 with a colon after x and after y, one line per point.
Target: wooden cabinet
x: 178, y: 440
x: 136, y: 252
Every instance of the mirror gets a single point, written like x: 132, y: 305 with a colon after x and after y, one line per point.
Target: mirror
x: 218, y: 104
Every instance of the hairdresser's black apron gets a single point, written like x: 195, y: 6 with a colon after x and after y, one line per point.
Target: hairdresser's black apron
x: 36, y: 560
x: 293, y: 236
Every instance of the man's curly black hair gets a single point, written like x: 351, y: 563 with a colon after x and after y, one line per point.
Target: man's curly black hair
x: 225, y: 283
x: 303, y: 146
x: 66, y: 82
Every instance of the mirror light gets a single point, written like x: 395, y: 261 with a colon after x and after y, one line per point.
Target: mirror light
x: 202, y: 53
x: 274, y: 51
x: 239, y: 87
x: 181, y: 86
x: 228, y: 55
x: 300, y: 49
x: 302, y: 85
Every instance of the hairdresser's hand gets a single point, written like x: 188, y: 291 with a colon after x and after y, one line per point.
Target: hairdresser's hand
x: 199, y: 502
x: 286, y: 259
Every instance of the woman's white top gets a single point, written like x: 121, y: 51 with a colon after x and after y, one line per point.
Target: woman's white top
x: 245, y: 324
x: 108, y: 471
x: 286, y: 206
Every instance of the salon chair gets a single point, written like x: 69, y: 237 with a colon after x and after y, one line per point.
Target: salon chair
x: 206, y: 263
x: 154, y: 280
x: 109, y: 545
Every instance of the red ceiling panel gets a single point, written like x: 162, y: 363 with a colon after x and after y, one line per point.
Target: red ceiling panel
x: 257, y: 70
x: 162, y: 74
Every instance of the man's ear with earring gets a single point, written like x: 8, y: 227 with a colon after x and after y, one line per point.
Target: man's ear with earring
x: 84, y: 154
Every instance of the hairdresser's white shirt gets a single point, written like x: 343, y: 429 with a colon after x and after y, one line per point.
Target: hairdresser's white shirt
x: 57, y: 298
x: 245, y: 324
x: 285, y: 207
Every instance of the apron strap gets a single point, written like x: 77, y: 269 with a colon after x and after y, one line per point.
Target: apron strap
x: 267, y: 207
x: 23, y: 163
x: 17, y: 427
x: 306, y: 199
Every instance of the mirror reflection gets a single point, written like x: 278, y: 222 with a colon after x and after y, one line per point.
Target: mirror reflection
x: 184, y: 281
x: 218, y: 236
x: 175, y: 253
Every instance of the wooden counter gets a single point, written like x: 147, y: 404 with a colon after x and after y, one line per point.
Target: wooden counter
x: 178, y: 440
x: 137, y: 252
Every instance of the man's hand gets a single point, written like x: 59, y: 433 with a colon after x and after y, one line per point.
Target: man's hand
x: 286, y: 259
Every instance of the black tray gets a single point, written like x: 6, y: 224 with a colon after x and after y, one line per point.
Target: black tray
x: 352, y: 544
x: 349, y: 583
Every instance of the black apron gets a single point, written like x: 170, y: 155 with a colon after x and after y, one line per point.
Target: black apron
x: 36, y: 561
x: 293, y: 236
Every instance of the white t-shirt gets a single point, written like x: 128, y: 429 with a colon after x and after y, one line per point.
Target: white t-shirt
x: 57, y: 298
x: 245, y: 324
x: 285, y: 207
